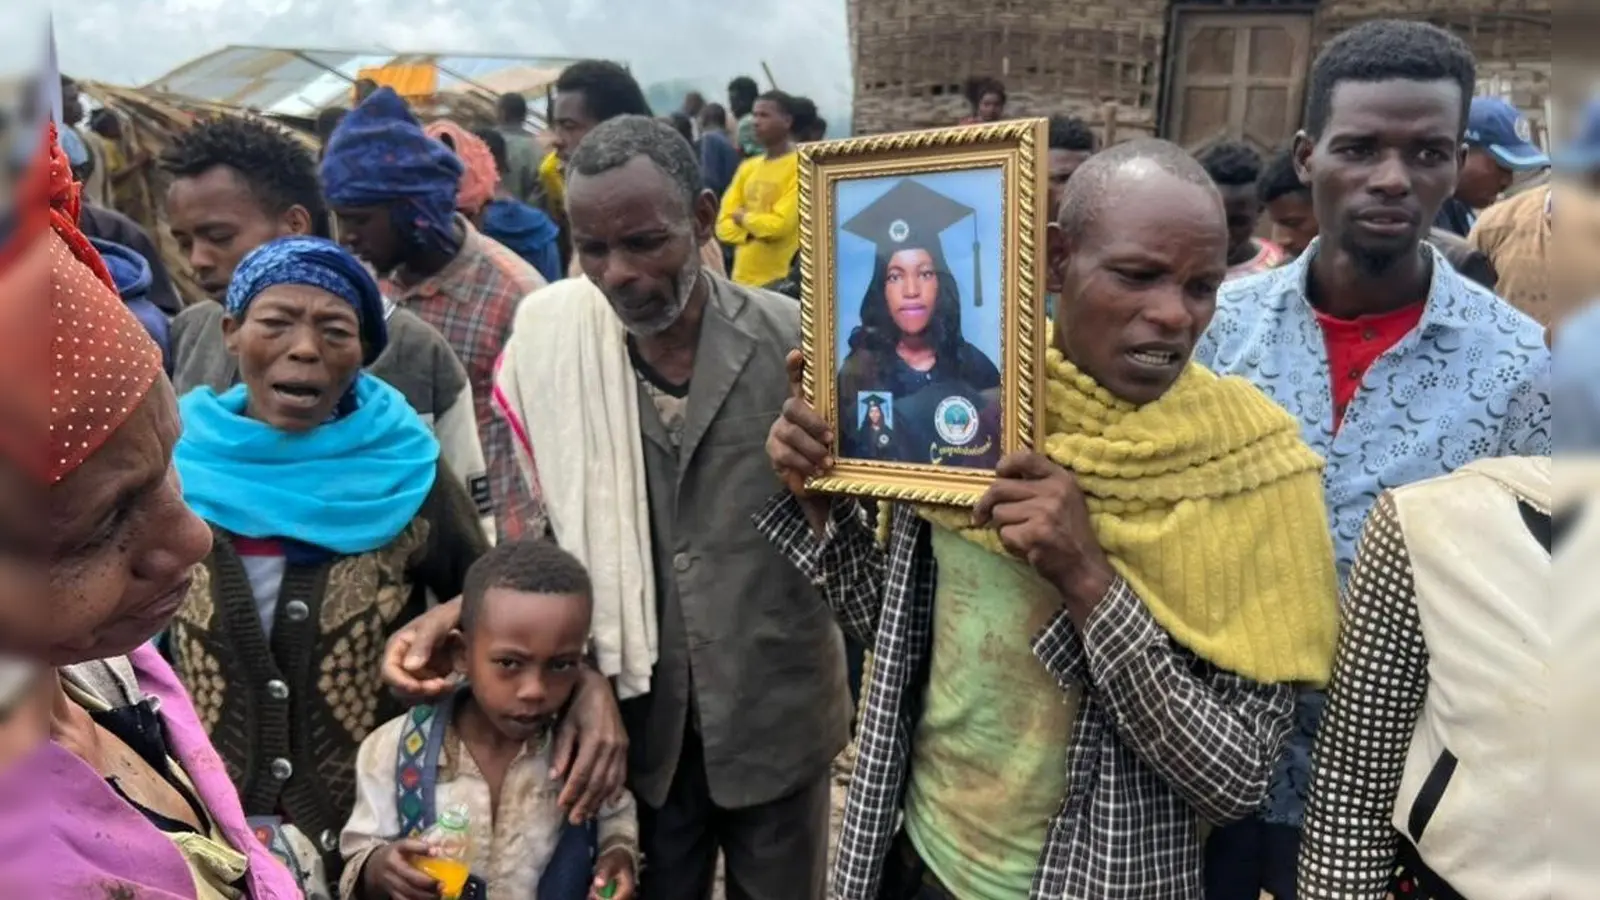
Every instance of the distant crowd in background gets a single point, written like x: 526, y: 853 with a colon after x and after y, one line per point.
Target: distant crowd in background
x: 746, y: 152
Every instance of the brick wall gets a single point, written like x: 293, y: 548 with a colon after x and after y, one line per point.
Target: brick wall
x: 912, y: 57
x: 1513, y: 40
x: 1054, y: 56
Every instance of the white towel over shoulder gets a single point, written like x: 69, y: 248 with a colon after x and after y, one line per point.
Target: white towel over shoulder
x: 569, y: 391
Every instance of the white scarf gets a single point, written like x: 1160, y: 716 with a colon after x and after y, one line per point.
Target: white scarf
x: 567, y: 388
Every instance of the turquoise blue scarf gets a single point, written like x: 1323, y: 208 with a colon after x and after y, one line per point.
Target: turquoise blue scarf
x: 349, y: 486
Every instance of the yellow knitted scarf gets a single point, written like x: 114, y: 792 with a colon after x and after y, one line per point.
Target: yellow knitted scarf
x: 1210, y: 506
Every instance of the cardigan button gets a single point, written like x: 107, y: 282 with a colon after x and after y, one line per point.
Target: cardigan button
x: 282, y: 769
x: 278, y: 689
x: 328, y: 840
x: 296, y: 610
x: 682, y: 562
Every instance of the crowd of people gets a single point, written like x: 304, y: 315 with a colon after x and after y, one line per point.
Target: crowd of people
x: 473, y: 494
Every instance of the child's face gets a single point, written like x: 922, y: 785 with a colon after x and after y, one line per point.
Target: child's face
x: 523, y: 656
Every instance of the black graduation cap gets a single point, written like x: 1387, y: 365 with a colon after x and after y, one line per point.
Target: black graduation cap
x: 874, y: 400
x: 912, y: 215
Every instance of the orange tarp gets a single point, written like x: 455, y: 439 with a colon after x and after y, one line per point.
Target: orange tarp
x: 407, y: 80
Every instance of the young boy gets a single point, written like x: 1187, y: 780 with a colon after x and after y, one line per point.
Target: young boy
x: 524, y: 626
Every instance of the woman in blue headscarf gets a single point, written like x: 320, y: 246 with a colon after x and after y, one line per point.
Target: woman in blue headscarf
x: 331, y: 518
x: 392, y: 188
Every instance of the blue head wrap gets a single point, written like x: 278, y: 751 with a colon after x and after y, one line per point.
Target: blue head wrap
x: 319, y: 263
x: 380, y: 155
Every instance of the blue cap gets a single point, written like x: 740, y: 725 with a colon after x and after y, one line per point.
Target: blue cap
x: 1582, y: 153
x: 1501, y: 129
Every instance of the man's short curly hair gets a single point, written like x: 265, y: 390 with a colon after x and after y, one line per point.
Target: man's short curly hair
x: 608, y: 89
x: 1072, y: 133
x: 617, y: 142
x: 526, y: 566
x: 279, y: 169
x: 1388, y: 50
x: 980, y: 87
x: 1231, y: 163
x: 1279, y: 179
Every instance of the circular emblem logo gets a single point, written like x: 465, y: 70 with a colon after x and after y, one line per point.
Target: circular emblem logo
x: 899, y: 230
x: 883, y: 440
x: 956, y: 420
x: 1523, y: 129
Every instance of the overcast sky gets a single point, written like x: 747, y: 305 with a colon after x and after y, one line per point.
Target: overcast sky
x: 133, y: 41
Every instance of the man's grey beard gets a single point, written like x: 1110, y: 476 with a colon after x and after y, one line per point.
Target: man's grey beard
x: 683, y: 291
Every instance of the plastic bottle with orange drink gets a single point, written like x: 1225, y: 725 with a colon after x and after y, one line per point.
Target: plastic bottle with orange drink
x: 451, y: 840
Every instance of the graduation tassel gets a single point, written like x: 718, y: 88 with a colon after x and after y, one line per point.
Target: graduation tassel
x: 977, y: 266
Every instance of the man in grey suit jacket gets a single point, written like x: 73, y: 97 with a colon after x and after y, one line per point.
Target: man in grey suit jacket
x: 731, y: 748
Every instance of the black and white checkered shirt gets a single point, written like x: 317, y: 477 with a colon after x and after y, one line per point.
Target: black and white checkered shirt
x: 1163, y: 741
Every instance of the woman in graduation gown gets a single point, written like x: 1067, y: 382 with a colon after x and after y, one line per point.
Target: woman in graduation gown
x: 909, y: 344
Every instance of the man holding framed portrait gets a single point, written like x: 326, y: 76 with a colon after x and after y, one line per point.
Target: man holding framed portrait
x: 1076, y: 679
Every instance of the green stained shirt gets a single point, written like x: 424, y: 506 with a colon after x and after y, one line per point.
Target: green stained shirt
x: 989, y: 757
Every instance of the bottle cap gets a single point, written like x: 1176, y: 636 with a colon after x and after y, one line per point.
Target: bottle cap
x: 455, y: 817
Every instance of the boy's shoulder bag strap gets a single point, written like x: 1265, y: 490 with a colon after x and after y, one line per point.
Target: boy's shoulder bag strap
x: 417, y: 763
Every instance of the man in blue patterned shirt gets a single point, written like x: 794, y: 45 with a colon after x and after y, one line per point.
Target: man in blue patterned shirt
x: 1398, y: 367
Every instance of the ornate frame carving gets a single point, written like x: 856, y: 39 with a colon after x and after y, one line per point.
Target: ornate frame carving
x: 1015, y: 146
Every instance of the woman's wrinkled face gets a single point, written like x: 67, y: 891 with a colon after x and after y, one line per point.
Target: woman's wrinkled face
x: 299, y: 350
x: 97, y: 565
x: 911, y: 287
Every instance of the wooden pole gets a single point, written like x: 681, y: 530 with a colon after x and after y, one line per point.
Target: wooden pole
x: 770, y: 80
x: 1108, y: 122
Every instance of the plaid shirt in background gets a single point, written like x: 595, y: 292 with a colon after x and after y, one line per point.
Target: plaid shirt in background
x: 1163, y: 740
x: 472, y: 301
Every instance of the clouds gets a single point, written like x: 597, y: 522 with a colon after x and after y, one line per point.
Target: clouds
x: 804, y: 41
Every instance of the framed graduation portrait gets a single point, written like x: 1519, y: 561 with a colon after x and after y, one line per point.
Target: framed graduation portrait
x: 922, y: 289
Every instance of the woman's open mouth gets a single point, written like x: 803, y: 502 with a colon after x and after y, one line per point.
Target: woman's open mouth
x: 297, y: 395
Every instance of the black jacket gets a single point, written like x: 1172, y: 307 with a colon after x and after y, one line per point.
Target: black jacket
x: 110, y: 225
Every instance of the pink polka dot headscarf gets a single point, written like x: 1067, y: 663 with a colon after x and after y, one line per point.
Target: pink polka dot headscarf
x: 74, y: 361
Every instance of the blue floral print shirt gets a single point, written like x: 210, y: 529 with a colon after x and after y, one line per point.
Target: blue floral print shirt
x: 1472, y: 380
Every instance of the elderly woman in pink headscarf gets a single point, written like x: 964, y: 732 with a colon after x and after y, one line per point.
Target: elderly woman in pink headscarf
x: 111, y: 786
x: 523, y: 229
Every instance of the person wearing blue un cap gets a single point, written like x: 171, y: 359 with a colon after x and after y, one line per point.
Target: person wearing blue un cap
x: 1499, y: 146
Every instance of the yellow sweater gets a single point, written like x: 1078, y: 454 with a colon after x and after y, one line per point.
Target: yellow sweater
x: 550, y: 179
x: 768, y: 190
x: 1210, y: 505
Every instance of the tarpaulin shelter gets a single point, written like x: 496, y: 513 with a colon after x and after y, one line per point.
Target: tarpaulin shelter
x: 291, y: 86
x: 299, y: 83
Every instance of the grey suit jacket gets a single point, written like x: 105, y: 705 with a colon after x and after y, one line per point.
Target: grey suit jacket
x: 748, y: 652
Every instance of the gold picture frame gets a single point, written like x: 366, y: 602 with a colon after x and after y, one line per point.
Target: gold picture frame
x: 875, y: 167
